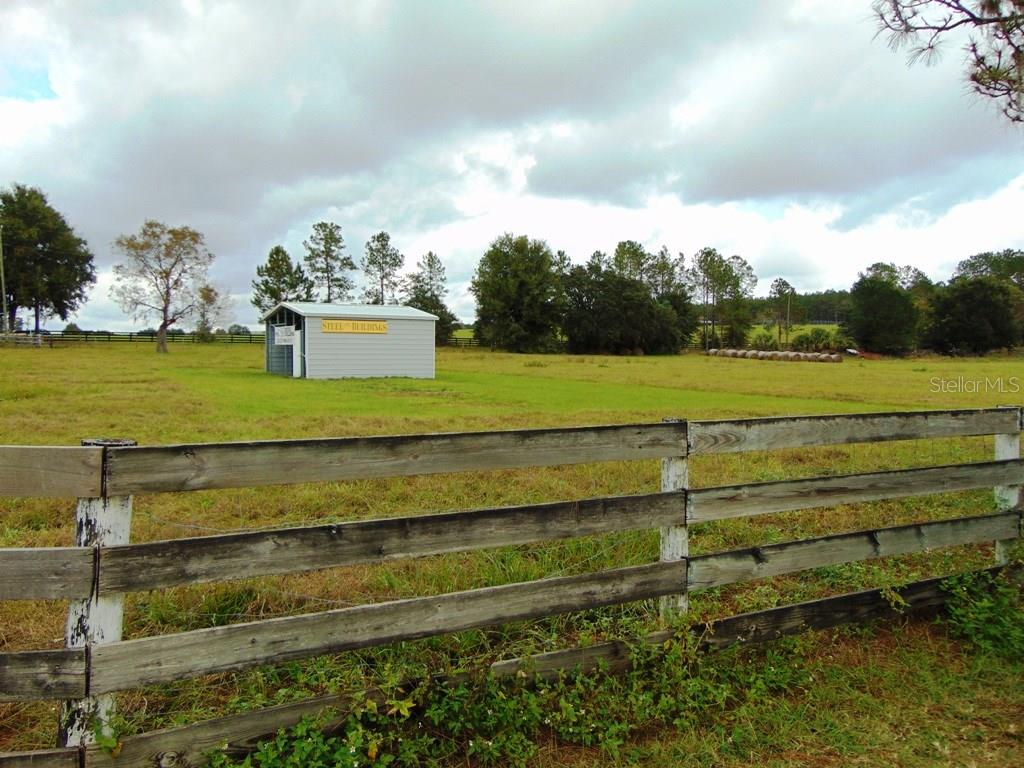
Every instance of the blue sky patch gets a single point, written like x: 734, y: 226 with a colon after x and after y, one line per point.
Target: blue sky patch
x: 25, y: 83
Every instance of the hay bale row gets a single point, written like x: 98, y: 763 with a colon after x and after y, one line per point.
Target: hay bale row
x: 755, y: 354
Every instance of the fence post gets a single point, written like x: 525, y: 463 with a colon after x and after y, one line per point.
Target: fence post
x: 1007, y: 496
x: 102, y: 521
x: 675, y: 539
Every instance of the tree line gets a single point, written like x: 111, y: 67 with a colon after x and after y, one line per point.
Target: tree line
x: 163, y: 272
x: 328, y: 276
x: 895, y: 310
x: 529, y: 298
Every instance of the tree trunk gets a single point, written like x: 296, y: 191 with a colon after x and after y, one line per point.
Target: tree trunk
x: 161, y: 339
x: 714, y: 311
x: 37, y: 310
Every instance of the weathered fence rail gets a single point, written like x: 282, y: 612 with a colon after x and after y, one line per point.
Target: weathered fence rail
x: 133, y: 337
x: 104, y: 566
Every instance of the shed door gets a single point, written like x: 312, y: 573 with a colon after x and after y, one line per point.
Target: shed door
x: 279, y: 356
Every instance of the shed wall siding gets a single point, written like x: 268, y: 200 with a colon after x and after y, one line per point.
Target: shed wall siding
x: 407, y: 349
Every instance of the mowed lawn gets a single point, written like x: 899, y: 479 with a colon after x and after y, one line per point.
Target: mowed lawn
x: 220, y: 392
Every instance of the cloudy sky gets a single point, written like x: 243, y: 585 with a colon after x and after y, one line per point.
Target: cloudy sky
x: 781, y: 130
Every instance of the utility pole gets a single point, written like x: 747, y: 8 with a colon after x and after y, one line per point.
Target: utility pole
x: 789, y: 297
x: 3, y: 283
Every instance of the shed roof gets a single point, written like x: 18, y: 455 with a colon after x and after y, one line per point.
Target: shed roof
x: 358, y: 311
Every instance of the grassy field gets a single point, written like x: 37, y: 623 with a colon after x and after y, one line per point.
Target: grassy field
x: 901, y: 697
x: 467, y: 333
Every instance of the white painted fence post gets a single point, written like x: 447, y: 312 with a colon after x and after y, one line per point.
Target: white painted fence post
x: 1007, y: 496
x: 297, y: 359
x: 675, y: 539
x: 102, y: 521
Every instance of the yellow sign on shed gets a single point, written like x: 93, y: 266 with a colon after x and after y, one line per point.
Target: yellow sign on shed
x: 353, y: 326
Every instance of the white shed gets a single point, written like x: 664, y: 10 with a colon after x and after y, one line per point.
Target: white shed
x: 340, y: 341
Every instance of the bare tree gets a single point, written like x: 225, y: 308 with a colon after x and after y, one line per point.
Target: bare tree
x: 995, y: 48
x: 163, y: 270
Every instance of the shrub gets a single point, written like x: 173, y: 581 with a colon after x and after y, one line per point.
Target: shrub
x: 487, y: 721
x: 988, y: 612
x: 974, y: 315
x: 883, y: 317
x: 735, y: 336
x: 821, y: 340
x: 801, y: 342
x: 764, y: 341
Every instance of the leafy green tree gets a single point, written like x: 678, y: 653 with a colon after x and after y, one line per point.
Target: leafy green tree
x: 380, y: 265
x: 723, y: 287
x: 974, y: 315
x: 47, y: 267
x: 239, y: 330
x: 780, y: 296
x: 684, y: 314
x: 905, y: 277
x: 665, y: 273
x: 703, y: 278
x: 429, y: 278
x: 630, y: 259
x: 610, y: 313
x: 327, y: 261
x: 995, y: 49
x: 736, y: 288
x: 829, y: 305
x: 517, y: 295
x: 163, y: 270
x: 1006, y: 265
x: 212, y: 306
x: 883, y: 317
x: 280, y: 279
x: 425, y: 289
x: 912, y: 280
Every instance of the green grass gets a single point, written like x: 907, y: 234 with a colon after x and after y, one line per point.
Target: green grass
x: 197, y: 393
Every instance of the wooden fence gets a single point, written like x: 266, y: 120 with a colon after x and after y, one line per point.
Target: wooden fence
x: 128, y: 337
x: 95, y: 574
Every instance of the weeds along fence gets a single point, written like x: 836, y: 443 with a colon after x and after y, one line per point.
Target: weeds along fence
x: 104, y: 475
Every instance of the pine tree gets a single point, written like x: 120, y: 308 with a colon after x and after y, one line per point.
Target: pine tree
x: 380, y: 265
x: 280, y: 279
x: 425, y: 289
x: 327, y: 262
